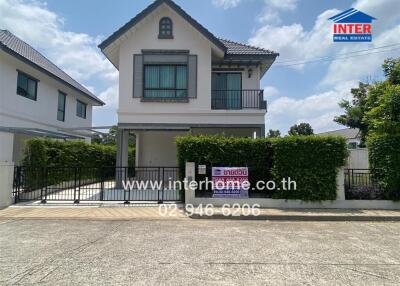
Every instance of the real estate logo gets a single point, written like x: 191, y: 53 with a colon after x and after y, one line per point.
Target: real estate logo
x: 352, y: 26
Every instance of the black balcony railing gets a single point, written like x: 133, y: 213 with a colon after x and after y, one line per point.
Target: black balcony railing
x: 238, y: 99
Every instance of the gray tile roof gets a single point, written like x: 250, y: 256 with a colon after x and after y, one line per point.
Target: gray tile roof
x: 18, y: 48
x: 348, y: 133
x: 235, y: 48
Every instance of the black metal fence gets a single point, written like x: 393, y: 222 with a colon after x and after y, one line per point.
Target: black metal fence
x: 360, y: 184
x: 76, y: 184
x: 238, y: 99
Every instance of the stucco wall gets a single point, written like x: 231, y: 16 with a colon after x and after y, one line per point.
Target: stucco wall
x: 6, y: 146
x: 157, y: 148
x: 18, y: 111
x: 358, y: 159
x: 186, y: 37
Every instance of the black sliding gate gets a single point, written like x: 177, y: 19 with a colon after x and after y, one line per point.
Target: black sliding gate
x: 76, y: 184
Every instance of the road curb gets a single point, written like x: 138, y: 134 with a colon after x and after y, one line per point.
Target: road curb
x: 301, y: 218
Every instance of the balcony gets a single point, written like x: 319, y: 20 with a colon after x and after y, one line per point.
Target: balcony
x: 238, y: 99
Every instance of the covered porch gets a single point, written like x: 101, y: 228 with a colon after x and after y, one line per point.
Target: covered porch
x: 155, y: 143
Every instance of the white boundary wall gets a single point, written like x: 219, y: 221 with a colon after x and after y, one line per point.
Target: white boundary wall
x: 6, y: 183
x: 339, y: 203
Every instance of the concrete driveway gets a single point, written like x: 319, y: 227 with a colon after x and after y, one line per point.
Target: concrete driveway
x: 198, y: 252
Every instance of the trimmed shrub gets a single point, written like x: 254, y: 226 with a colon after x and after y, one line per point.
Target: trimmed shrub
x: 228, y: 152
x: 59, y: 159
x: 53, y: 153
x: 384, y: 157
x: 312, y: 162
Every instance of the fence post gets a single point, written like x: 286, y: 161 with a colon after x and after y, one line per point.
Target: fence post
x: 340, y: 193
x: 126, y: 200
x: 102, y: 183
x: 46, y: 179
x: 160, y: 201
x: 190, y: 175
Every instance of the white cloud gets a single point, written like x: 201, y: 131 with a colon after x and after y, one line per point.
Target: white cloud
x: 318, y: 109
x: 294, y: 42
x: 110, y: 97
x: 76, y: 53
x: 282, y: 4
x: 270, y: 92
x: 226, y: 4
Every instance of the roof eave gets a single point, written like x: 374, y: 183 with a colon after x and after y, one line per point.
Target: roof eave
x: 148, y: 11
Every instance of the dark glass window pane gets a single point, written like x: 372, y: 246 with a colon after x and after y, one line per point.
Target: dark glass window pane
x: 81, y: 109
x: 165, y: 81
x: 61, y: 106
x: 26, y: 86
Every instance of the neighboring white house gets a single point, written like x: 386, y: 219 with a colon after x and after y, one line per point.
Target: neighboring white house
x: 37, y: 99
x: 177, y: 77
x: 358, y: 157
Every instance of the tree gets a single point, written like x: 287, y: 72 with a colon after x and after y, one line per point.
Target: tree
x: 273, y: 133
x: 374, y: 107
x: 391, y: 68
x: 301, y: 129
x: 355, y: 110
x: 384, y: 117
x: 109, y: 138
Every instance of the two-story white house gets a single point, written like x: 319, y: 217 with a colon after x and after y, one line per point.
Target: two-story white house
x: 37, y: 99
x: 176, y: 77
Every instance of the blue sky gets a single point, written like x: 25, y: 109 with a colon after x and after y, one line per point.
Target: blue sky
x: 68, y: 32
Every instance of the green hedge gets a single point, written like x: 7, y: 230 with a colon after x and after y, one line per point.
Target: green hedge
x: 311, y: 161
x: 62, y: 159
x: 384, y: 157
x: 53, y: 153
x: 224, y: 151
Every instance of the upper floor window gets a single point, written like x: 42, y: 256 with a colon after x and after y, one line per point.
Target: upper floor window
x: 81, y: 109
x: 165, y: 28
x: 165, y: 81
x: 27, y: 86
x: 61, y: 106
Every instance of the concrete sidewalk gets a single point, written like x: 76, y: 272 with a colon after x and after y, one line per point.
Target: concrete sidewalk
x: 304, y: 215
x: 175, y: 212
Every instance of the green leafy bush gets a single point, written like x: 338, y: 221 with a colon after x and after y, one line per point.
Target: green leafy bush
x: 225, y: 151
x: 53, y: 153
x: 311, y: 161
x: 49, y: 162
x: 384, y: 157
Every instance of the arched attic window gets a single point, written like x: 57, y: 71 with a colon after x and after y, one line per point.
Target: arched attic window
x: 165, y: 27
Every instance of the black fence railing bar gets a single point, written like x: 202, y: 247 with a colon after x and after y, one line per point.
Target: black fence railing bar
x: 76, y: 184
x: 238, y: 99
x: 361, y: 184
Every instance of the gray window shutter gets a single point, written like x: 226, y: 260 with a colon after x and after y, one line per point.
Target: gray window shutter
x: 138, y: 76
x: 192, y: 76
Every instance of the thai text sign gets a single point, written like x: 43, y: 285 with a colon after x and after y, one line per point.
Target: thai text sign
x: 230, y: 182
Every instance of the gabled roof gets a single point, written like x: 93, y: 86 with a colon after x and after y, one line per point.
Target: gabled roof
x: 21, y: 50
x: 235, y: 48
x: 348, y: 133
x: 352, y: 16
x: 150, y: 9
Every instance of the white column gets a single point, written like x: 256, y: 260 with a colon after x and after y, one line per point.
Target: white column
x: 340, y: 195
x: 190, y: 175
x: 6, y: 183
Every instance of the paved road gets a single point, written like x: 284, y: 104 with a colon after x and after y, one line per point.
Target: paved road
x: 198, y: 252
